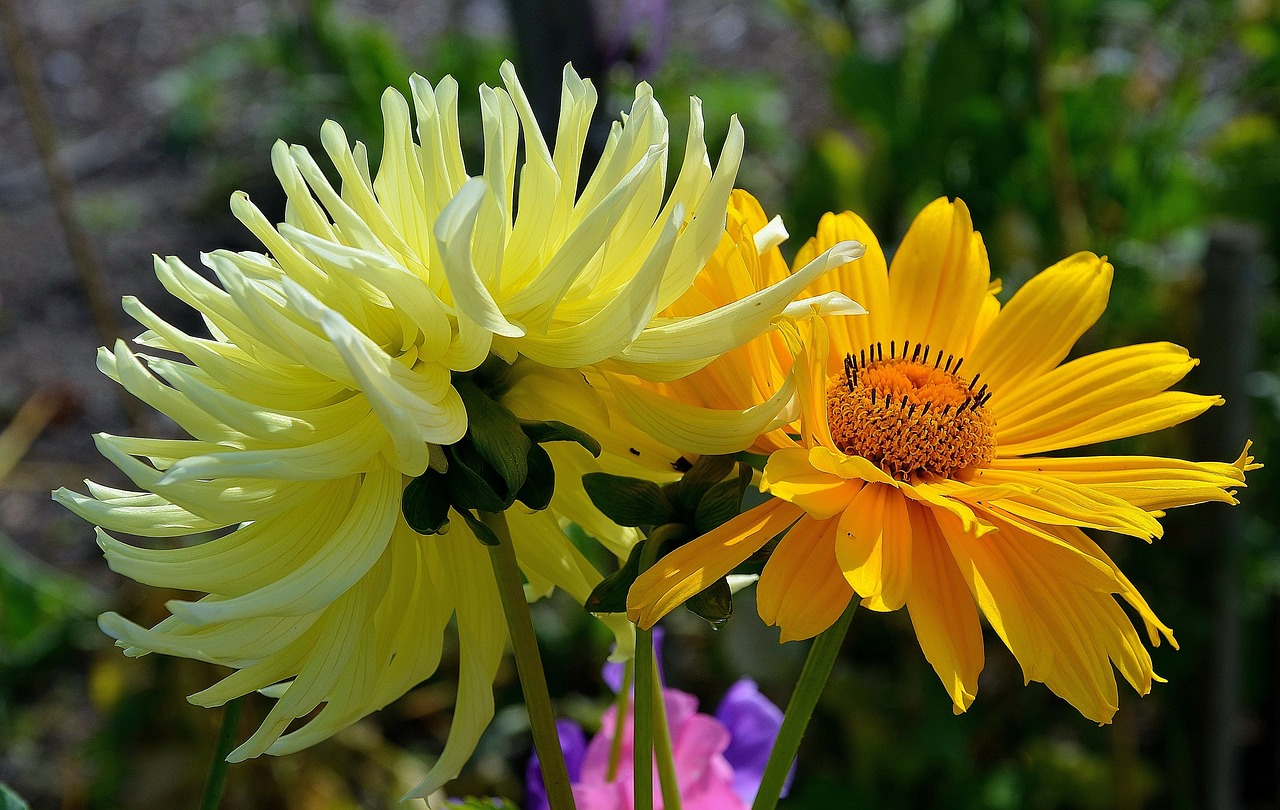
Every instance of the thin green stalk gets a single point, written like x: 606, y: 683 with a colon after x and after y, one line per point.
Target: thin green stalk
x: 623, y: 707
x: 813, y: 679
x: 642, y: 758
x: 662, y: 746
x: 217, y: 778
x: 533, y: 681
x: 647, y: 685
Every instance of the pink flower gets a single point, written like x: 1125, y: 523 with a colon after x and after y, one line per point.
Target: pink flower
x: 719, y: 761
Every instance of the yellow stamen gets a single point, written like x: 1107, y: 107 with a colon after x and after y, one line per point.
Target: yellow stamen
x: 910, y: 415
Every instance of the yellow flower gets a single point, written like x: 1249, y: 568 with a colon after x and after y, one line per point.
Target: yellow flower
x: 912, y: 475
x: 325, y: 387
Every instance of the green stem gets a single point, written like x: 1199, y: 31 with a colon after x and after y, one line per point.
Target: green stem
x: 813, y: 678
x: 217, y: 778
x: 642, y: 756
x: 648, y: 689
x: 662, y: 746
x: 533, y: 681
x: 623, y: 707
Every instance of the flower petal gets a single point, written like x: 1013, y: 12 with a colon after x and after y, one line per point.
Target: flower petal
x: 698, y: 563
x: 939, y: 278
x: 802, y: 589
x: 1043, y: 320
x: 942, y: 611
x: 873, y: 547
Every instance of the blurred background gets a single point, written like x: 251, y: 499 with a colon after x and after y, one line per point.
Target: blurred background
x: 1147, y: 131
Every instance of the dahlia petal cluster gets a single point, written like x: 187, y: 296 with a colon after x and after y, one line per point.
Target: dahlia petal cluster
x: 325, y: 383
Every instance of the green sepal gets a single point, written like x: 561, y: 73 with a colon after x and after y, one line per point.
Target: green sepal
x: 628, y: 501
x: 714, y: 603
x: 540, y: 483
x: 722, y: 501
x: 553, y: 431
x: 496, y: 433
x: 719, y: 504
x: 472, y: 483
x: 482, y: 532
x: 610, y: 596
x: 706, y: 472
x: 425, y: 503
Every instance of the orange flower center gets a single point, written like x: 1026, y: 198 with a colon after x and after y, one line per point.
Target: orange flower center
x: 910, y: 414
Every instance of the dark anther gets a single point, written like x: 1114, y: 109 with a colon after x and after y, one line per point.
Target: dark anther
x: 982, y: 392
x: 956, y: 370
x: 947, y: 365
x: 946, y: 408
x: 891, y: 355
x: 925, y: 357
x: 879, y: 351
x: 925, y: 409
x: 974, y: 381
x: 915, y: 355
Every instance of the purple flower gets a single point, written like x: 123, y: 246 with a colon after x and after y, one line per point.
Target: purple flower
x: 573, y: 741
x: 753, y: 723
x: 719, y: 761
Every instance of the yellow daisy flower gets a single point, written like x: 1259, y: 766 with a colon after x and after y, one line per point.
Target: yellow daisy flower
x: 324, y: 387
x: 913, y: 472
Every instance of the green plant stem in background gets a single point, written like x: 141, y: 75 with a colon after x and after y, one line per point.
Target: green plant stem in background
x: 813, y: 679
x: 642, y: 756
x: 623, y: 705
x: 533, y: 681
x: 217, y: 778
x: 662, y: 744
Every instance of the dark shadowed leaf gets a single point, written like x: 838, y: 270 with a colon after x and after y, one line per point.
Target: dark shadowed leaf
x: 553, y: 431
x: 496, y: 434
x: 713, y: 603
x: 473, y: 483
x: 426, y: 503
x: 482, y: 532
x: 610, y: 596
x: 628, y: 501
x: 540, y: 482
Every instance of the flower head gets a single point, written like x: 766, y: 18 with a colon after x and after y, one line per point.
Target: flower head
x: 325, y: 385
x: 912, y: 474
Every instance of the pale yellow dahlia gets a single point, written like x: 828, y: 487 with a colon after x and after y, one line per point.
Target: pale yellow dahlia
x: 324, y: 387
x: 913, y: 472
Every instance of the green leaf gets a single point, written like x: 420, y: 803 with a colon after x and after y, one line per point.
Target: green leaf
x: 470, y: 484
x: 540, y: 482
x: 496, y: 433
x: 720, y: 503
x: 482, y: 532
x: 425, y: 504
x: 713, y: 603
x: 628, y: 501
x: 553, y: 431
x: 705, y: 473
x: 10, y: 800
x: 610, y: 596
